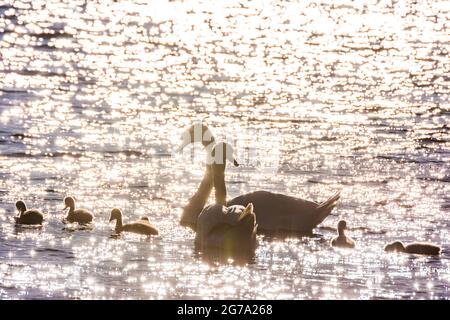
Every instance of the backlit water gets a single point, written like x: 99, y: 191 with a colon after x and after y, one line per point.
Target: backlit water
x: 317, y: 95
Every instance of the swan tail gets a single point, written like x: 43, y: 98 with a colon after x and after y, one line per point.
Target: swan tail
x: 324, y: 209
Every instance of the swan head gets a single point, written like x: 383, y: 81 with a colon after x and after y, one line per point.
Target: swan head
x: 222, y: 152
x: 395, y: 246
x: 198, y: 132
x: 116, y: 214
x: 342, y: 225
x: 20, y: 206
x: 69, y: 202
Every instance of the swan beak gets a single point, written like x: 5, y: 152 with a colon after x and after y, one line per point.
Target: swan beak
x: 111, y: 219
x: 236, y: 164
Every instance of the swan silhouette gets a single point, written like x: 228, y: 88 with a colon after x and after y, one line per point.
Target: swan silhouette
x: 201, y: 133
x: 341, y: 240
x: 29, y: 217
x: 142, y: 226
x: 414, y: 248
x: 230, y: 229
x: 81, y: 216
x: 276, y: 214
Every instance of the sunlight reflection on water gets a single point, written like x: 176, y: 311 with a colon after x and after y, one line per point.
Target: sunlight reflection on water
x: 93, y: 97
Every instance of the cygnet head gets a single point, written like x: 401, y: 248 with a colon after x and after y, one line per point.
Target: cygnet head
x: 342, y: 225
x: 222, y: 152
x: 116, y: 214
x: 20, y: 206
x: 198, y: 132
x: 396, y: 246
x: 69, y: 202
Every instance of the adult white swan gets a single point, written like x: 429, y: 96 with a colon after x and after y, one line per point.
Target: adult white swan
x: 276, y: 214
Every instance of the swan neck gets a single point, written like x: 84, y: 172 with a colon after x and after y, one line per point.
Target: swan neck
x: 22, y: 209
x: 197, y: 202
x: 119, y: 223
x: 219, y: 184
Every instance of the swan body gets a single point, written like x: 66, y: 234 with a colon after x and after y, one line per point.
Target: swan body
x: 279, y: 213
x: 341, y: 240
x: 414, y: 248
x: 141, y: 226
x: 28, y: 217
x: 275, y: 213
x: 81, y: 216
x: 232, y: 229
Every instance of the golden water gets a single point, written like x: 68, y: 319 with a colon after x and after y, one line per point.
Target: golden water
x: 318, y: 95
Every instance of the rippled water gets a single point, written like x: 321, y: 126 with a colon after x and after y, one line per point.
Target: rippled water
x: 319, y: 95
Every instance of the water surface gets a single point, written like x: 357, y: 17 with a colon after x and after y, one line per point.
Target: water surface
x: 318, y: 95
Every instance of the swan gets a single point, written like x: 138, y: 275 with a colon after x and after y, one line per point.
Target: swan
x: 413, y: 248
x: 142, y: 226
x: 29, y: 217
x: 341, y: 240
x: 213, y: 177
x: 276, y: 213
x: 198, y: 132
x: 78, y: 215
x: 230, y: 229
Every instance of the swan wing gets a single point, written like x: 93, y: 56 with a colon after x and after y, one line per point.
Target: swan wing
x: 218, y: 225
